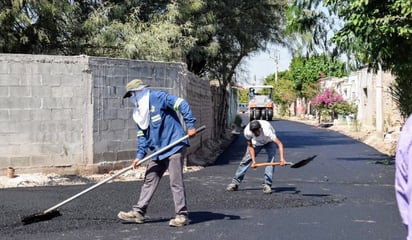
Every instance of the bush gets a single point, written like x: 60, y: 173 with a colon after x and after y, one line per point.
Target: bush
x: 238, y: 121
x: 344, y: 108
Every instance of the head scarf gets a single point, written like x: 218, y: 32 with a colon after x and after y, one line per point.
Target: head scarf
x: 141, y: 110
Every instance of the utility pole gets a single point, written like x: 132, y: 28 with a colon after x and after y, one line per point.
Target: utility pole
x: 276, y: 64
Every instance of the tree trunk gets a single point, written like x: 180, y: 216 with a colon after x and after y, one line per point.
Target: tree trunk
x: 220, y: 102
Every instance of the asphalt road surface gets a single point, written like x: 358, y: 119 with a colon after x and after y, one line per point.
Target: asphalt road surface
x: 342, y: 194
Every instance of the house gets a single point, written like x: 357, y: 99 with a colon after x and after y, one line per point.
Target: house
x: 371, y: 93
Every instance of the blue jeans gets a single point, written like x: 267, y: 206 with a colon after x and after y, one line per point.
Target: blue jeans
x: 247, y: 161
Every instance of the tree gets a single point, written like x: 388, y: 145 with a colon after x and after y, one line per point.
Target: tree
x: 284, y: 93
x: 227, y: 32
x: 47, y: 27
x: 158, y: 39
x: 307, y: 28
x: 308, y: 70
x: 379, y: 34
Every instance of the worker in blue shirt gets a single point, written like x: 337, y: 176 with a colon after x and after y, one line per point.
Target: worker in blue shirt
x: 158, y: 125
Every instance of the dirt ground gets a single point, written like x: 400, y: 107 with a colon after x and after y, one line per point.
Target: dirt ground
x: 384, y: 144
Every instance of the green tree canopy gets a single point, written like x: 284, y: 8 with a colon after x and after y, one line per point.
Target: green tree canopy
x: 47, y: 27
x: 305, y: 70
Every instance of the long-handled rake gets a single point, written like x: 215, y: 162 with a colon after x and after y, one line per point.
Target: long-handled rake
x: 53, y: 212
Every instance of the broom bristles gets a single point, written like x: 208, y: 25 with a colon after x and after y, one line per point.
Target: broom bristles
x: 41, y: 216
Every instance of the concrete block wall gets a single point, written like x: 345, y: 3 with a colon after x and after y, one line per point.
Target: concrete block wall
x: 373, y: 92
x: 392, y: 115
x: 114, y: 132
x: 67, y: 114
x: 43, y: 111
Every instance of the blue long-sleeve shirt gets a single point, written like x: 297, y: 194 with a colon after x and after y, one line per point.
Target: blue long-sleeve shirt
x: 164, y: 127
x: 403, y: 185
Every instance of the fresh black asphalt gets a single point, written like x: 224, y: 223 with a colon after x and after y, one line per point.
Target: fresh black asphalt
x: 342, y: 194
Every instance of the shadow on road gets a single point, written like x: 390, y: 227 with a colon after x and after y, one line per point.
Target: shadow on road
x: 204, y: 216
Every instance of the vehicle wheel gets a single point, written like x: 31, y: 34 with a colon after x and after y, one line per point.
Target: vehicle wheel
x: 264, y: 114
x: 252, y: 114
x: 258, y: 114
x: 270, y: 114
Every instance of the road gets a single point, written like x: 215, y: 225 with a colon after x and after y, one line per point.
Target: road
x: 342, y: 194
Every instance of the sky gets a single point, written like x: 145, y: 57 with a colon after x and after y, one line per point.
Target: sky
x: 262, y: 64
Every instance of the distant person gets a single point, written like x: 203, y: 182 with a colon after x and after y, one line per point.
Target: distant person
x: 403, y: 185
x: 259, y: 135
x: 251, y: 92
x: 158, y: 125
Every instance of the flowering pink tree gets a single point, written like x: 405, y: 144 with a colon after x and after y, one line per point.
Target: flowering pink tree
x: 325, y: 102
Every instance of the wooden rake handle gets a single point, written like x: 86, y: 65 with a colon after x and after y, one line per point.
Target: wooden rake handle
x: 269, y: 164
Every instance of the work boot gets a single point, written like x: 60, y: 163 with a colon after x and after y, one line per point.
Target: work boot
x: 179, y: 221
x: 267, y: 189
x: 131, y: 216
x: 231, y: 187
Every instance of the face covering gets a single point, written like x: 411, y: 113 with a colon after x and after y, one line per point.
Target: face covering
x: 141, y: 110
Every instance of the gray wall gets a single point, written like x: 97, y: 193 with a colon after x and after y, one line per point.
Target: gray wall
x: 67, y: 114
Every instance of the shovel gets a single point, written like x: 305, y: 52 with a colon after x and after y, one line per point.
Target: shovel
x: 299, y: 164
x: 53, y: 212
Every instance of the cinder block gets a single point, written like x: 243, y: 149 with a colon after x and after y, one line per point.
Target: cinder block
x: 97, y: 157
x: 124, y: 114
x: 113, y: 146
x: 126, y: 155
x: 4, y: 67
x: 59, y: 91
x: 61, y: 161
x: 20, y: 161
x: 101, y: 125
x: 41, y: 91
x: 71, y: 79
x: 41, y: 160
x: 30, y: 79
x: 9, y: 79
x: 109, y: 156
x: 17, y: 138
x: 114, y: 103
x: 4, y: 115
x: 9, y: 150
x: 130, y: 144
x: 117, y: 124
x: 41, y: 114
x: 50, y: 80
x: 61, y: 114
x: 7, y: 127
x: 4, y: 92
x: 20, y: 103
x: 110, y: 114
x: 4, y: 162
x: 20, y: 114
x: 100, y: 147
x: 17, y: 67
